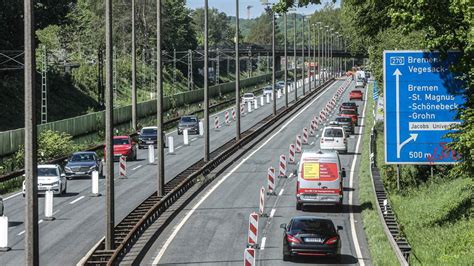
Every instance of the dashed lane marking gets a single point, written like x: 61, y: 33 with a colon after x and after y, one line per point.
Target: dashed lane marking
x: 76, y: 200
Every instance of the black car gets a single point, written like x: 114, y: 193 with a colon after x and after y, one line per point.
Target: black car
x: 189, y: 122
x: 346, y: 123
x: 311, y: 236
x: 148, y: 136
x: 82, y: 164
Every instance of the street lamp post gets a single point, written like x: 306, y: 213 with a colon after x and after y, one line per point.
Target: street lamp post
x: 309, y: 54
x: 159, y: 105
x: 302, y: 56
x: 319, y: 49
x: 237, y: 72
x: 295, y: 73
x: 331, y: 36
x: 273, y: 63
x: 325, y: 49
x: 134, y: 70
x: 206, y: 82
x: 286, y: 60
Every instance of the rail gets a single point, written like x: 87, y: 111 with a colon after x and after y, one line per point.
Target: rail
x: 134, y: 225
x: 391, y: 228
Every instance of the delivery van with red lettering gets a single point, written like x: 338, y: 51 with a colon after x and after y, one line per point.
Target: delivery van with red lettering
x: 320, y: 179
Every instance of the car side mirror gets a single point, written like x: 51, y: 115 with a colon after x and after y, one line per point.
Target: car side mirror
x: 283, y: 226
x: 339, y: 228
x: 343, y: 172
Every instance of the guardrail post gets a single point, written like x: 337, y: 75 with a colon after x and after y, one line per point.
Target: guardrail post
x: 262, y: 103
x: 171, y: 145
x: 255, y: 104
x: 249, y: 107
x: 201, y: 129
x: 48, y: 206
x: 268, y: 98
x: 95, y: 184
x: 4, y: 234
x: 185, y: 137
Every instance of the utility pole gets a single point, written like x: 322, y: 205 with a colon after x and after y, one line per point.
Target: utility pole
x: 190, y: 70
x: 109, y: 131
x: 174, y: 66
x: 286, y: 60
x: 273, y: 63
x: 218, y: 66
x: 326, y: 53
x: 309, y: 54
x: 302, y: 55
x: 44, y: 86
x: 319, y: 52
x: 295, y: 73
x: 331, y: 36
x: 31, y: 159
x: 134, y: 71
x: 206, y: 84
x: 159, y: 105
x: 237, y: 72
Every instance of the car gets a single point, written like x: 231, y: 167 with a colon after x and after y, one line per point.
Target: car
x: 333, y: 138
x: 349, y: 106
x: 352, y: 114
x: 248, y: 97
x: 280, y: 84
x: 189, y: 122
x: 148, y: 136
x: 50, y: 177
x: 267, y: 90
x: 359, y: 83
x: 1, y: 206
x: 123, y: 146
x: 82, y: 164
x: 355, y: 95
x: 345, y: 122
x: 311, y: 236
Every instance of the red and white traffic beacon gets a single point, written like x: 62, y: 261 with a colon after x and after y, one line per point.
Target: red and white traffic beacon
x: 320, y: 179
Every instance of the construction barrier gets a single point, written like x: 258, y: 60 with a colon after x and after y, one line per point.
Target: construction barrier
x: 282, y: 166
x: 227, y: 119
x: 252, y: 238
x: 123, y: 167
x: 234, y: 117
x: 249, y: 257
x: 271, y: 181
x: 291, y: 154
x: 298, y: 144
x: 305, y: 136
x: 216, y: 123
x: 262, y: 202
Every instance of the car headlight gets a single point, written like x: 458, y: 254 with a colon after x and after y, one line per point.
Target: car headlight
x: 92, y: 167
x: 56, y: 183
x: 68, y: 169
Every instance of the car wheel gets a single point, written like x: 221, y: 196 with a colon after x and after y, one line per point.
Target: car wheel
x: 299, y: 206
x: 64, y: 190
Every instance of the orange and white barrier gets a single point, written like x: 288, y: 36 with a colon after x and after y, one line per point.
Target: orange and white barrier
x: 252, y: 238
x: 305, y: 136
x: 217, y: 125
x: 271, y: 181
x: 233, y: 114
x: 298, y: 144
x: 282, y: 166
x: 123, y: 167
x: 242, y: 109
x: 262, y: 202
x: 249, y: 257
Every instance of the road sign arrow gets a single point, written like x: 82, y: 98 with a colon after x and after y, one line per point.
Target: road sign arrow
x: 412, y: 137
x: 397, y: 74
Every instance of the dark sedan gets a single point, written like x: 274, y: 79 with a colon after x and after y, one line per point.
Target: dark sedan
x: 346, y: 123
x: 189, y: 122
x: 82, y: 164
x: 311, y: 236
x: 148, y: 136
x: 349, y: 106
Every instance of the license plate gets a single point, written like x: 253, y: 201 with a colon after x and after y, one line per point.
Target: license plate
x: 149, y: 142
x: 42, y: 188
x: 80, y: 173
x: 313, y: 240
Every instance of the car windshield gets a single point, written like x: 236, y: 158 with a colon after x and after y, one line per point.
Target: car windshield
x: 356, y: 92
x: 333, y: 133
x: 312, y: 226
x: 348, y: 104
x: 248, y: 95
x: 149, y: 131
x: 343, y: 119
x: 268, y: 88
x: 47, y: 172
x: 188, y: 119
x: 348, y: 112
x: 121, y: 141
x: 84, y: 157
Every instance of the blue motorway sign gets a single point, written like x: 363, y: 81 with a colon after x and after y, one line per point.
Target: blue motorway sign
x: 421, y: 99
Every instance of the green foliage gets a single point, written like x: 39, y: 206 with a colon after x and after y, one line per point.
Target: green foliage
x: 261, y: 30
x: 220, y: 32
x: 437, y: 221
x: 284, y: 5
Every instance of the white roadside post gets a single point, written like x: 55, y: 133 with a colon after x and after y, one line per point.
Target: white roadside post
x: 95, y: 184
x: 255, y: 104
x: 185, y: 137
x: 278, y: 94
x: 171, y: 145
x: 249, y: 107
x: 262, y: 103
x: 201, y: 129
x: 151, y: 154
x: 268, y: 97
x: 48, y: 206
x: 4, y: 234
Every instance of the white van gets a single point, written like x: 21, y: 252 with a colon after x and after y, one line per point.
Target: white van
x: 333, y: 138
x: 320, y: 180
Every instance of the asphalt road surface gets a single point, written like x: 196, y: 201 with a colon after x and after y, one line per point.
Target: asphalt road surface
x: 80, y: 218
x: 212, y: 230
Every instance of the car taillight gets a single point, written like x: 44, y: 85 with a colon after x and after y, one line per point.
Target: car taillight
x: 292, y: 239
x: 331, y: 241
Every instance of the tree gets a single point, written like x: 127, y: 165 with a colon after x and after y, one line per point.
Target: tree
x: 283, y: 5
x: 219, y: 29
x: 261, y: 30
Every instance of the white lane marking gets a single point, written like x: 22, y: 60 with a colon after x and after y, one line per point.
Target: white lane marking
x: 12, y: 196
x: 262, y: 245
x: 351, y: 181
x: 179, y: 147
x: 290, y: 176
x: 40, y: 221
x: 311, y: 143
x: 135, y: 168
x: 281, y: 192
x: 224, y: 178
x: 76, y: 200
x: 272, y: 212
x: 193, y: 139
x: 21, y: 233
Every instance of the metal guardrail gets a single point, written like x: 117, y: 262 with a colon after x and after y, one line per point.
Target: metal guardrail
x: 391, y: 228
x: 151, y: 209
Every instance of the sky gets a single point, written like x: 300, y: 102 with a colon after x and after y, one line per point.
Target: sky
x: 228, y: 6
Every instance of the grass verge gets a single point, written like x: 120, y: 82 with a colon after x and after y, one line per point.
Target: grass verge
x: 380, y: 250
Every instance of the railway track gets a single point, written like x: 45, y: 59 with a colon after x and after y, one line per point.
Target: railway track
x: 129, y: 230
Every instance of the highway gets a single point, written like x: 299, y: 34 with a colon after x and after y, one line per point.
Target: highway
x: 212, y: 230
x: 80, y: 222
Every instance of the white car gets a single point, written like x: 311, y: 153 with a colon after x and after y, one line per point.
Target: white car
x: 50, y: 177
x: 267, y: 90
x: 334, y: 138
x: 248, y: 97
